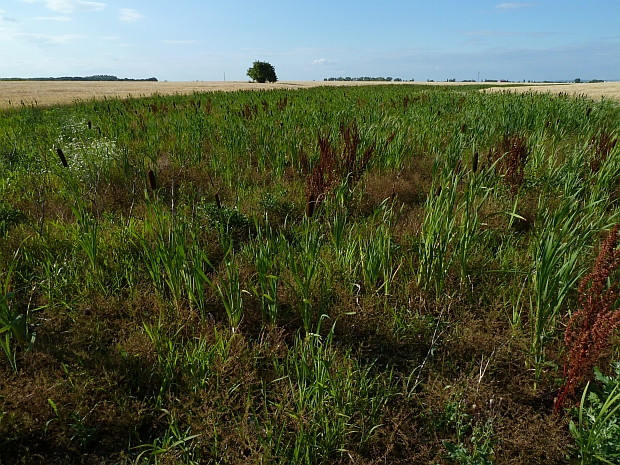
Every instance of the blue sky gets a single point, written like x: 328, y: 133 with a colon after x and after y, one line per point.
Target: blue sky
x: 311, y: 40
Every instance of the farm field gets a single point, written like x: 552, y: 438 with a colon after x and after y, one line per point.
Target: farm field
x: 333, y: 274
x: 13, y: 93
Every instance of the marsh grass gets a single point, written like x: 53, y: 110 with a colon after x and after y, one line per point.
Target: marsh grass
x: 321, y: 276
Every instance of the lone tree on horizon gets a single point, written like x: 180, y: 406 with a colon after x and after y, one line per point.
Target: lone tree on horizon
x: 261, y: 71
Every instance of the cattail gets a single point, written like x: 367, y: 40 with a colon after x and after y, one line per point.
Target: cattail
x: 588, y: 111
x: 547, y: 124
x: 217, y: 201
x: 310, y: 205
x: 90, y: 126
x: 61, y: 155
x: 463, y: 127
x: 474, y: 166
x: 152, y: 182
x: 393, y: 196
x: 438, y: 192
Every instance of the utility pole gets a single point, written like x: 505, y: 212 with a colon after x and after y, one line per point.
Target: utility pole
x: 478, y: 76
x: 224, y: 77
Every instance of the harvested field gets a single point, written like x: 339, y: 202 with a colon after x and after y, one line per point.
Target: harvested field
x: 13, y: 93
x: 595, y: 91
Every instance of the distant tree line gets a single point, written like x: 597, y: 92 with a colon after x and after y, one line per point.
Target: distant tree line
x: 97, y: 77
x: 365, y: 78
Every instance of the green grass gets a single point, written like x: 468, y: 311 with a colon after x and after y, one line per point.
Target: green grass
x: 416, y: 317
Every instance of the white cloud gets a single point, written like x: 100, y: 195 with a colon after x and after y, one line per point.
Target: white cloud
x: 130, y: 15
x: 513, y: 6
x: 70, y: 6
x: 180, y: 41
x: 323, y: 61
x: 53, y: 18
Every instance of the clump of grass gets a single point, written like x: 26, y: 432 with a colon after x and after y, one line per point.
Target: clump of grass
x: 12, y: 322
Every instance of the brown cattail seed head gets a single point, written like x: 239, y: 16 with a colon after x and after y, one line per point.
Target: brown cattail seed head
x: 152, y: 182
x: 61, y: 155
x: 310, y: 205
x: 217, y: 201
x: 474, y: 167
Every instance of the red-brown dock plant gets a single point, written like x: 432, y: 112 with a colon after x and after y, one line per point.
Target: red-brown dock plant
x: 589, y: 329
x: 512, y: 154
x: 602, y: 144
x: 320, y: 179
x: 333, y: 168
x: 352, y: 165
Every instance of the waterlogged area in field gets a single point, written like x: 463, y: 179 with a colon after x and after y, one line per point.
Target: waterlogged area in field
x: 328, y: 275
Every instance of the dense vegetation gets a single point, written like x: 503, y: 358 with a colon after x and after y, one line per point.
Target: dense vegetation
x: 334, y: 275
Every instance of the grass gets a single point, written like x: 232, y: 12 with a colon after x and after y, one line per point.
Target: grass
x: 327, y: 275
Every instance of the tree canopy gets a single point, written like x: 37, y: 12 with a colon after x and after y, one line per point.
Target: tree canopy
x: 261, y: 71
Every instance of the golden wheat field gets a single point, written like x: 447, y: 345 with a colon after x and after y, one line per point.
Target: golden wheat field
x: 14, y: 93
x: 595, y: 91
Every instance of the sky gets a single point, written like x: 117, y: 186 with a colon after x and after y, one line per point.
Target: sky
x: 213, y: 40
